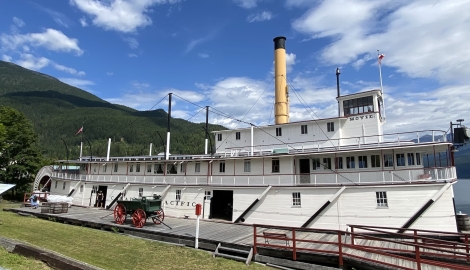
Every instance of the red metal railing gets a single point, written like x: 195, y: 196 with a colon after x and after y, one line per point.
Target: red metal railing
x: 421, y: 247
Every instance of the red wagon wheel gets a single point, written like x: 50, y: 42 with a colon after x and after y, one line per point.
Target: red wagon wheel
x: 161, y: 215
x: 120, y: 214
x: 138, y: 218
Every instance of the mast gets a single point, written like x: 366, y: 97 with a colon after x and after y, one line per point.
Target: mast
x: 167, y: 153
x: 337, y: 89
x: 379, y: 59
x: 207, y: 130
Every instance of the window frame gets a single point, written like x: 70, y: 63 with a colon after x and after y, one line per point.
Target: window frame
x: 381, y: 199
x: 296, y: 199
x: 303, y: 129
x: 330, y: 126
x: 237, y: 135
x: 278, y: 132
x: 247, y: 165
x: 275, y: 165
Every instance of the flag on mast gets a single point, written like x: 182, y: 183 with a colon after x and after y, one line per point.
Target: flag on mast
x: 79, y: 131
x: 380, y: 56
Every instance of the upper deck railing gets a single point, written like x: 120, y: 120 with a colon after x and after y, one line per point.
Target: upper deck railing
x: 341, y: 144
x: 420, y: 175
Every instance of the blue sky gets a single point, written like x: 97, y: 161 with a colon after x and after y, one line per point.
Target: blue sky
x: 220, y: 53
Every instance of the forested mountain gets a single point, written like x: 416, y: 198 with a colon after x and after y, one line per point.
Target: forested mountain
x: 57, y: 111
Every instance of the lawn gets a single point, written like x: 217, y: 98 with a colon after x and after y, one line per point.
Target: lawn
x: 108, y: 250
x: 17, y: 262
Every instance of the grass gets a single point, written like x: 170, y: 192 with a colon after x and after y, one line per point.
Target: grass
x: 108, y: 250
x: 17, y: 262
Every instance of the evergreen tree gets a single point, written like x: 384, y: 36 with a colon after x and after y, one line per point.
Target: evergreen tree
x: 20, y: 158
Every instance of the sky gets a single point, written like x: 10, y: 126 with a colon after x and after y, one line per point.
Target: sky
x: 219, y: 53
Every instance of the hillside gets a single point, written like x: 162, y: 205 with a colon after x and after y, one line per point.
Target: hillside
x: 57, y: 110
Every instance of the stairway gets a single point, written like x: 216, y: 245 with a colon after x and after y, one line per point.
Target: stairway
x: 241, y: 255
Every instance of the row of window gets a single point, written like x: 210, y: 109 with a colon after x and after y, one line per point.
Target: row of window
x: 381, y: 198
x: 410, y: 159
x: 358, y: 105
x: 330, y: 127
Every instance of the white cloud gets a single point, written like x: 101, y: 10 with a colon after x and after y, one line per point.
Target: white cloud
x: 259, y: 17
x: 132, y: 42
x: 30, y: 61
x: 18, y: 22
x: 195, y: 42
x: 132, y: 55
x: 68, y: 69
x: 138, y: 85
x: 76, y: 82
x: 422, y: 39
x: 50, y: 39
x: 6, y: 58
x: 119, y: 15
x: 203, y: 55
x: 60, y: 22
x: 109, y: 73
x: 247, y: 3
x: 83, y: 22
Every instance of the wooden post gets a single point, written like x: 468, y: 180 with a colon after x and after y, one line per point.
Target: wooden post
x: 417, y: 255
x: 254, y: 240
x: 352, y: 236
x: 466, y: 246
x: 294, y: 250
x: 340, y: 250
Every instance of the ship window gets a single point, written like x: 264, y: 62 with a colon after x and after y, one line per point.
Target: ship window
x: 116, y: 167
x: 131, y: 168
x: 339, y: 163
x: 63, y: 186
x: 315, y: 163
x: 149, y: 168
x: 358, y: 105
x: 105, y: 166
x: 362, y: 161
x: 330, y: 126
x: 183, y: 167
x: 296, y: 199
x: 158, y: 168
x: 247, y: 166
x: 303, y: 129
x: 94, y: 168
x: 375, y: 161
x: 81, y: 188
x: 207, y: 195
x: 388, y: 160
x: 141, y: 192
x: 418, y: 159
x: 222, y: 166
x: 237, y: 135
x: 55, y: 186
x: 137, y: 167
x: 350, y: 163
x: 197, y: 167
x: 411, y: 158
x: 278, y: 132
x: 381, y: 197
x: 178, y: 194
x: 171, y: 169
x: 400, y: 159
x: 219, y: 137
x: 327, y: 163
x: 275, y: 165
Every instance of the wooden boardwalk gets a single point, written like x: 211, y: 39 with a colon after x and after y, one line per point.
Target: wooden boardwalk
x: 236, y: 235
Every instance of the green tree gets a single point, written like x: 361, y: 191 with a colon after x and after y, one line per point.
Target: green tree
x: 20, y: 158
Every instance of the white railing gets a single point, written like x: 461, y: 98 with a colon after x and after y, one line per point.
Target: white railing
x: 361, y: 142
x: 342, y: 178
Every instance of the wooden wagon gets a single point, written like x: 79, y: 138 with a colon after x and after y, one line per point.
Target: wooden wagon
x: 140, y: 209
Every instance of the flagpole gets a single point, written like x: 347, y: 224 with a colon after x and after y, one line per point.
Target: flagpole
x: 81, y: 143
x: 381, y: 85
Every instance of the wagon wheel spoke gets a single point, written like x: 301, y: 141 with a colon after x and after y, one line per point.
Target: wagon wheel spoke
x: 161, y: 216
x: 138, y: 218
x: 120, y: 214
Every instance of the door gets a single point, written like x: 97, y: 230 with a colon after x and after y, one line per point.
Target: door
x: 222, y: 205
x: 304, y: 169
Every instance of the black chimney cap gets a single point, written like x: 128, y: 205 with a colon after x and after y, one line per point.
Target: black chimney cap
x: 279, y: 43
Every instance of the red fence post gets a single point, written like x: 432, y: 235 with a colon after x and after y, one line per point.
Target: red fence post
x: 466, y: 246
x: 340, y: 250
x: 294, y: 251
x: 254, y: 239
x: 418, y: 256
x: 352, y: 235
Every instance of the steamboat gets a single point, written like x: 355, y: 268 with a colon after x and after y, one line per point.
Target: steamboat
x: 323, y: 173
